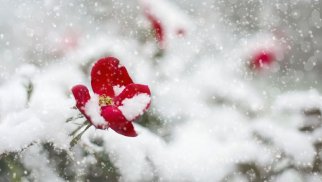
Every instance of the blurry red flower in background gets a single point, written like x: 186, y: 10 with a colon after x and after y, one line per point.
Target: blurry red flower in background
x: 157, y: 28
x: 262, y: 59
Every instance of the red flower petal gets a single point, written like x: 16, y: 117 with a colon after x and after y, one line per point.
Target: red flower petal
x: 81, y: 95
x: 117, y: 121
x: 130, y: 91
x: 107, y: 73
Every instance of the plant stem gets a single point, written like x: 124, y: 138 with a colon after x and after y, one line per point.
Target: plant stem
x: 77, y: 138
x: 74, y: 118
x: 79, y: 127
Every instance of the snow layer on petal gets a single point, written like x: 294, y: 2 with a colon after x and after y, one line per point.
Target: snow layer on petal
x: 118, y: 89
x: 133, y: 107
x: 93, y: 110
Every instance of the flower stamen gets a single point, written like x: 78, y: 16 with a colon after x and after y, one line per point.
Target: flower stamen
x: 105, y: 100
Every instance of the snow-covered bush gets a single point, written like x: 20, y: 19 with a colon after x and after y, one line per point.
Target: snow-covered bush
x: 235, y: 90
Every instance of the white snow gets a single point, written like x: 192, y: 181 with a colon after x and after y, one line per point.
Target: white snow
x: 118, y: 89
x: 37, y: 162
x: 93, y: 110
x: 290, y: 175
x: 292, y: 143
x: 43, y: 118
x: 295, y: 101
x: 208, y: 103
x: 135, y: 106
x: 19, y: 129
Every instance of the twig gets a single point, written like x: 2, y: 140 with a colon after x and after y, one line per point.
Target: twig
x: 77, y: 138
x: 80, y: 127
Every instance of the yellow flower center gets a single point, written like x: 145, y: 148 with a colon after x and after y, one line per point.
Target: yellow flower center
x: 105, y: 100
